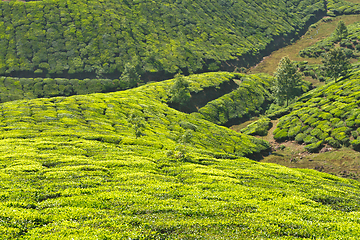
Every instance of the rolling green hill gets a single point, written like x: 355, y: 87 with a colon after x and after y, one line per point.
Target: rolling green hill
x: 80, y: 39
x: 126, y: 166
x: 251, y: 99
x: 29, y: 88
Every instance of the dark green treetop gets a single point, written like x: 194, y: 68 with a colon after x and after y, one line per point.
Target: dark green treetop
x: 130, y: 76
x: 287, y: 81
x: 341, y: 31
x: 179, y: 91
x: 336, y: 64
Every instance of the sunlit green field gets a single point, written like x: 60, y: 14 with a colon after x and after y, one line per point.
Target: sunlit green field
x: 126, y: 166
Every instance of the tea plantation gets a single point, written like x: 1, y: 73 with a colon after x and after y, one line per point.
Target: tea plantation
x: 73, y: 39
x: 12, y: 88
x: 80, y: 159
x: 124, y: 165
x: 327, y: 115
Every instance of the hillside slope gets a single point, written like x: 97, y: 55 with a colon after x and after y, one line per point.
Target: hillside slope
x: 326, y: 115
x: 125, y: 165
x: 251, y: 98
x: 79, y: 39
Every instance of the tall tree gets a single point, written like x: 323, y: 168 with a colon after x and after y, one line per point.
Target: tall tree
x: 336, y: 64
x: 287, y: 81
x: 341, y: 31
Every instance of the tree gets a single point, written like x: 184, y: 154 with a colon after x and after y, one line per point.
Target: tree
x: 336, y: 64
x: 287, y: 81
x: 179, y: 91
x: 341, y: 31
x: 130, y: 76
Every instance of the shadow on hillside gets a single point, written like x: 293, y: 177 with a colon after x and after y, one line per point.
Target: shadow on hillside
x: 200, y: 99
x: 260, y: 155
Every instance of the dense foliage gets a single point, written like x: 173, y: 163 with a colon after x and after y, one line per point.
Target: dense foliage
x: 327, y: 115
x: 179, y: 91
x: 335, y: 64
x: 252, y: 98
x: 126, y: 166
x: 339, y: 7
x: 99, y: 38
x: 29, y: 88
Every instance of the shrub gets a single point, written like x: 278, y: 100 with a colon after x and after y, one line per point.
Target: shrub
x: 322, y: 135
x: 354, y: 134
x: 332, y: 142
x: 310, y: 139
x: 311, y: 120
x: 280, y: 135
x: 341, y: 137
x: 325, y: 116
x: 304, y: 117
x: 356, y: 144
x: 260, y: 127
x: 314, y: 147
x: 315, y: 132
x: 293, y: 131
x: 300, y: 137
x: 334, y: 121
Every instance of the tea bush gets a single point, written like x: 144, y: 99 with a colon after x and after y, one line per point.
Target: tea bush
x: 348, y: 45
x: 29, y: 88
x: 74, y: 167
x: 259, y: 127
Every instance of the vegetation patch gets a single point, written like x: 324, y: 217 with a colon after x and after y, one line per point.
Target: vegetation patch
x: 349, y: 43
x: 327, y: 115
x: 125, y: 165
x: 251, y: 98
x: 259, y: 127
